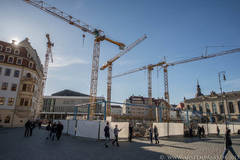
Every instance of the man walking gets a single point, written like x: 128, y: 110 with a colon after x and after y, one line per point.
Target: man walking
x: 156, y: 135
x: 130, y: 133
x: 53, y: 130
x: 31, y: 127
x: 228, y: 145
x: 107, y: 134
x: 27, y: 128
x: 59, y: 130
x: 116, y: 131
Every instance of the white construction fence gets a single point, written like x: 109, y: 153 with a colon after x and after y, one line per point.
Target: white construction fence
x: 175, y: 129
x: 212, y: 128
x: 93, y: 129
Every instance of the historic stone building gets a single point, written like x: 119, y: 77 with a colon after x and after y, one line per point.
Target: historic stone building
x: 21, y: 74
x: 215, y: 105
x: 62, y: 105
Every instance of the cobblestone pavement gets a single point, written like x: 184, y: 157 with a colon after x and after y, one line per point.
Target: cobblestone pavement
x: 13, y: 146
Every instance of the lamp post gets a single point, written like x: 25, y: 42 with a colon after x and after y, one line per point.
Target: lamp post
x: 222, y: 74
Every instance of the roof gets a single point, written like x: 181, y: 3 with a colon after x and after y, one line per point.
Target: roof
x: 67, y: 92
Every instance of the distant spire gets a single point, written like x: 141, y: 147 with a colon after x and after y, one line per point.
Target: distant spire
x: 199, y: 93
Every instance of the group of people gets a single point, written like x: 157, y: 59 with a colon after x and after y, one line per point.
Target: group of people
x: 201, y: 131
x: 155, y: 131
x: 54, y: 130
x: 29, y: 126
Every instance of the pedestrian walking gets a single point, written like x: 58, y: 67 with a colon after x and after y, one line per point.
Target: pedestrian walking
x: 27, y: 128
x: 48, y: 128
x: 218, y: 131
x: 116, y: 131
x: 53, y: 131
x: 150, y: 134
x: 130, y: 133
x: 156, y: 135
x: 39, y: 124
x: 59, y: 130
x: 107, y: 134
x: 31, y: 127
x: 203, y: 131
x: 199, y: 132
x: 228, y: 145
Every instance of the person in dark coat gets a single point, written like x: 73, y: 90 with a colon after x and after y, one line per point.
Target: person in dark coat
x: 59, y: 130
x: 155, y: 130
x: 107, y: 134
x: 228, y: 145
x: 130, y: 133
x: 151, y: 134
x: 27, y: 128
x: 39, y: 124
x: 203, y: 132
x: 31, y: 127
x: 199, y: 131
x: 218, y: 131
x: 53, y: 130
x: 48, y: 128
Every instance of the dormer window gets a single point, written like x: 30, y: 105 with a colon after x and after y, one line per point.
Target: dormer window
x: 1, y: 47
x: 17, y: 51
x: 19, y: 61
x: 8, y: 49
x: 10, y: 59
x: 28, y: 55
x: 31, y: 65
x: 1, y: 58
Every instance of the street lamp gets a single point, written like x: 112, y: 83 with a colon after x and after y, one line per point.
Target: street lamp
x: 222, y: 74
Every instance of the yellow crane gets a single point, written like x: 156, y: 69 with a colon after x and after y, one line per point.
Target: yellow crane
x: 109, y: 66
x: 99, y: 36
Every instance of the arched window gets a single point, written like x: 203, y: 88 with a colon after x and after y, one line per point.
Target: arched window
x: 214, y: 108
x: 194, y: 108
x: 200, y: 109
x: 16, y: 51
x: 231, y: 107
x: 8, y: 49
x: 1, y: 58
x: 10, y: 59
x: 221, y: 107
x: 29, y: 75
x: 207, y: 108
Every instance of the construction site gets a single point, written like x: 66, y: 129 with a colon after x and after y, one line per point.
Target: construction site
x: 139, y: 111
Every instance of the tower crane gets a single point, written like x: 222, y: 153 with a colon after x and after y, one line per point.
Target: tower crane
x: 47, y: 55
x: 97, y: 33
x: 109, y: 66
x: 165, y: 66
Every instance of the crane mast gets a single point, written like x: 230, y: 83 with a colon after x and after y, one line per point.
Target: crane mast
x: 98, y: 34
x: 109, y: 66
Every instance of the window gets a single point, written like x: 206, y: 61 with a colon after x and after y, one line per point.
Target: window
x: 7, y: 119
x: 1, y: 47
x: 10, y: 59
x: 29, y: 88
x: 0, y: 70
x: 231, y: 107
x: 34, y: 89
x: 14, y: 87
x: 19, y: 61
x: 29, y: 75
x: 7, y: 72
x: 17, y: 51
x: 16, y: 73
x: 188, y: 107
x: 1, y: 58
x: 8, y: 49
x: 24, y: 87
x: 214, y: 108
x: 221, y: 107
x: 207, y: 108
x: 21, y: 101
x: 10, y: 101
x: 194, y: 108
x: 31, y: 65
x: 4, y: 86
x: 2, y: 99
x: 26, y: 102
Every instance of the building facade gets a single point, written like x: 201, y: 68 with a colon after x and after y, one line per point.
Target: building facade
x: 215, y: 105
x: 116, y: 110
x: 21, y: 75
x: 66, y: 104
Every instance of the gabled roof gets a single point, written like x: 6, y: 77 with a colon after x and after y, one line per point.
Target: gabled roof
x: 67, y: 92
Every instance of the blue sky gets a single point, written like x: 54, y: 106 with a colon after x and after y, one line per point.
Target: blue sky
x: 176, y: 29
